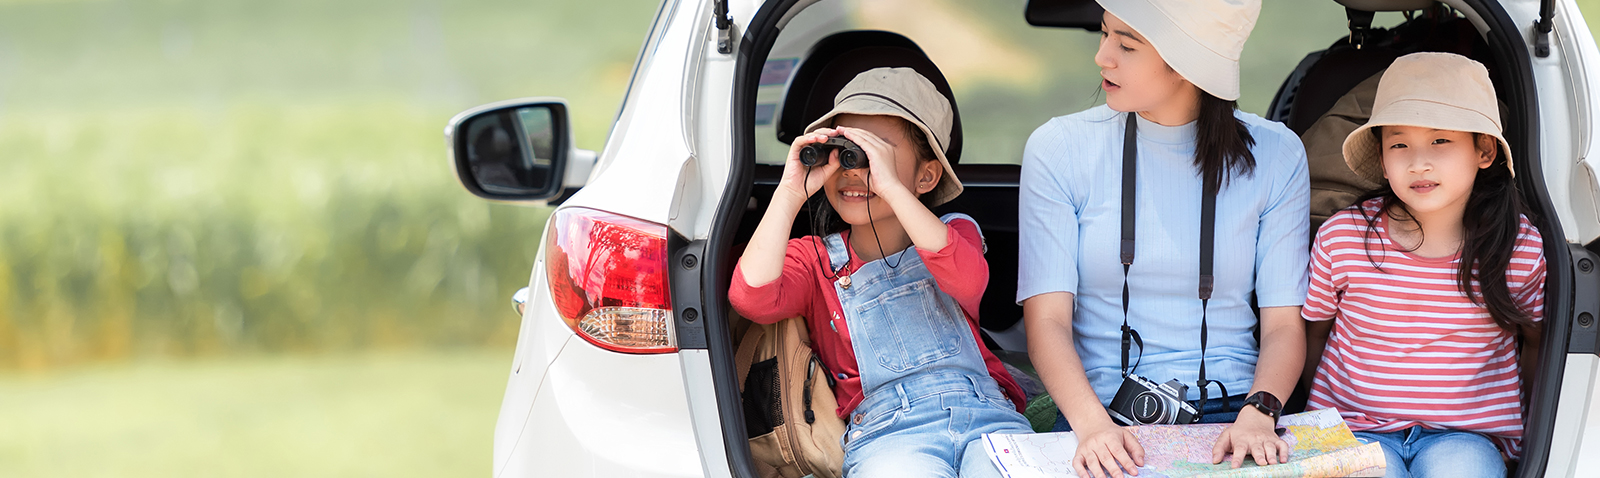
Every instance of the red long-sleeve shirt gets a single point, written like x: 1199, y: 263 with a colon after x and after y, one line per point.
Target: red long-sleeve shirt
x: 805, y: 290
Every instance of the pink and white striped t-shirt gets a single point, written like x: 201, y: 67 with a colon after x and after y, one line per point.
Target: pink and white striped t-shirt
x: 1408, y: 348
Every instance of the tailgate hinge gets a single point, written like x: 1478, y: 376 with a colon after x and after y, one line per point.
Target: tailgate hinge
x: 1585, y: 338
x: 688, y: 316
x: 1542, y: 28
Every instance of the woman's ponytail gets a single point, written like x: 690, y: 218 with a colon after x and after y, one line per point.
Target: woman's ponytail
x: 1222, y: 142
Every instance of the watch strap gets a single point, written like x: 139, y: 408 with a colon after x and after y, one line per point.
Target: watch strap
x: 1267, y: 403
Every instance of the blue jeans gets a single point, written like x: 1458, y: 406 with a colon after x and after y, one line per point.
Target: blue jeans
x: 1422, y: 453
x: 929, y: 426
x: 1217, y: 410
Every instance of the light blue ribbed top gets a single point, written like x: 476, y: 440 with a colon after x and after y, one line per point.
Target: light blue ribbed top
x: 1070, y: 224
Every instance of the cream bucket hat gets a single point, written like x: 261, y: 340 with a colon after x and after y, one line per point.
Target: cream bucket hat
x: 902, y: 93
x: 1435, y: 90
x: 1199, y: 39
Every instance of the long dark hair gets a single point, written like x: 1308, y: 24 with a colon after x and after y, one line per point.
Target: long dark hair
x: 1222, y: 142
x: 1491, y: 222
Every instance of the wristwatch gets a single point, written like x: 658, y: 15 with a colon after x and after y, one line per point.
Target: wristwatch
x: 1266, y: 403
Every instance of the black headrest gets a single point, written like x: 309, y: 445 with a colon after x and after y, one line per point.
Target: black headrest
x: 837, y: 59
x: 1387, y: 5
x: 1085, y: 14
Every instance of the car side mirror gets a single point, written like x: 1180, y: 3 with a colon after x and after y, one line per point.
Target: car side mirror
x: 517, y: 151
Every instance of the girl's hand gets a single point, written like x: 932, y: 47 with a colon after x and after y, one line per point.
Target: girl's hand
x: 798, y: 180
x: 1253, y: 433
x: 882, y: 177
x: 1107, y: 452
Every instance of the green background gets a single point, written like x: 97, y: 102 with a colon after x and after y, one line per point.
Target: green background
x: 230, y: 244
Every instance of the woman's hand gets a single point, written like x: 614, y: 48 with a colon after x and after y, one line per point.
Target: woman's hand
x: 882, y: 177
x: 1107, y: 452
x: 1253, y: 433
x: 800, y: 181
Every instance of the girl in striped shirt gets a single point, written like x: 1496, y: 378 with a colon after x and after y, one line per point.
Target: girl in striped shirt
x: 1428, y: 282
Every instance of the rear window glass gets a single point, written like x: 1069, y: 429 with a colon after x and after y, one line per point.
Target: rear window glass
x: 1010, y: 77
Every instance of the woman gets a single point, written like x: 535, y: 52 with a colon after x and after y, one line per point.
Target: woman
x: 1170, y: 70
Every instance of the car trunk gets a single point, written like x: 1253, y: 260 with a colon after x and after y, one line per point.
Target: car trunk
x: 991, y: 198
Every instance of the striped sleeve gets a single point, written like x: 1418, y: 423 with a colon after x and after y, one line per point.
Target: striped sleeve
x: 1322, y: 300
x: 1526, y: 272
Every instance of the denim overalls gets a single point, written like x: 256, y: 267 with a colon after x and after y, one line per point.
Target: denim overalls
x: 928, y: 394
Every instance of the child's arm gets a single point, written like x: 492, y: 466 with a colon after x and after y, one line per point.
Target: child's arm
x: 1316, y: 342
x: 1530, y: 298
x: 960, y: 268
x: 1322, y: 302
x: 924, y: 228
x: 763, y: 258
x: 1528, y: 361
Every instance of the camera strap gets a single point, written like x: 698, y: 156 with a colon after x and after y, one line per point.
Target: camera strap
x: 1208, y: 233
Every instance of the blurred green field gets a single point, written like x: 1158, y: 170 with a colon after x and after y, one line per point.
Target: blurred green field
x: 389, y: 414
x: 202, y: 178
x: 230, y: 244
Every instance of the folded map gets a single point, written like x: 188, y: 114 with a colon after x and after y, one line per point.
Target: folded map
x: 1320, y: 445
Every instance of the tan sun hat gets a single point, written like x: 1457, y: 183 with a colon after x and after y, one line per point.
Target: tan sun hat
x: 902, y: 93
x: 1199, y: 39
x: 1434, y: 90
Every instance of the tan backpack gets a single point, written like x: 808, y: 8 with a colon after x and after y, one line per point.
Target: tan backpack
x: 1333, y: 185
x: 789, y: 408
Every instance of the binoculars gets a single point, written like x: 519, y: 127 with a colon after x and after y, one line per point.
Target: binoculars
x: 850, y: 155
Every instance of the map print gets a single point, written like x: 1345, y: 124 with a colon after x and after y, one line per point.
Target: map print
x: 1320, y: 445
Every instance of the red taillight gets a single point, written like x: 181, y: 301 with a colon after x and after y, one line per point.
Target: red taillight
x: 608, y: 277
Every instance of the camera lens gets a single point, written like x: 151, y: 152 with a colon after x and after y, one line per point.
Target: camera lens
x: 1147, y: 408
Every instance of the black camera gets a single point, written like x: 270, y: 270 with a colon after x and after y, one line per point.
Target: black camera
x: 1143, y: 402
x: 850, y: 155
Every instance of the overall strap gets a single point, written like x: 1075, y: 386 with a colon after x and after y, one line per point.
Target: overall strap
x: 838, y: 255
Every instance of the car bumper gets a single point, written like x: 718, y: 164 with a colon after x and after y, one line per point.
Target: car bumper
x: 602, y: 413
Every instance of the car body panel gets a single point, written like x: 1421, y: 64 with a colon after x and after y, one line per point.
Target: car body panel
x: 540, y: 340
x: 647, y: 144
x: 1566, y: 109
x: 1572, y: 420
x: 703, y: 407
x: 1577, y: 184
x: 601, y: 413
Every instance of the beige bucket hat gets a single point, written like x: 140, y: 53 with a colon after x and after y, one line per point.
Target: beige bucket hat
x: 1199, y: 39
x: 902, y: 93
x: 1435, y: 90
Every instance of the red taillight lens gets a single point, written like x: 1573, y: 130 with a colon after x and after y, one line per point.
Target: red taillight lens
x: 608, y: 277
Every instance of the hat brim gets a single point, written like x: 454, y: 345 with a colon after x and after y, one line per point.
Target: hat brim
x: 1206, y: 69
x: 949, y: 186
x: 1362, y: 150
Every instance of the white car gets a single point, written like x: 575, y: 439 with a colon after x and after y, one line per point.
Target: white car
x: 624, y: 362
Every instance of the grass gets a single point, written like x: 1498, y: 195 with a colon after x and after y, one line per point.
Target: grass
x: 389, y: 414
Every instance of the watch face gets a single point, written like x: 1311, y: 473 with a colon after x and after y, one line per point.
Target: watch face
x: 1266, y: 403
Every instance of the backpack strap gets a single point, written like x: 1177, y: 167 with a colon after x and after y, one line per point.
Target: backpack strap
x: 747, y: 351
